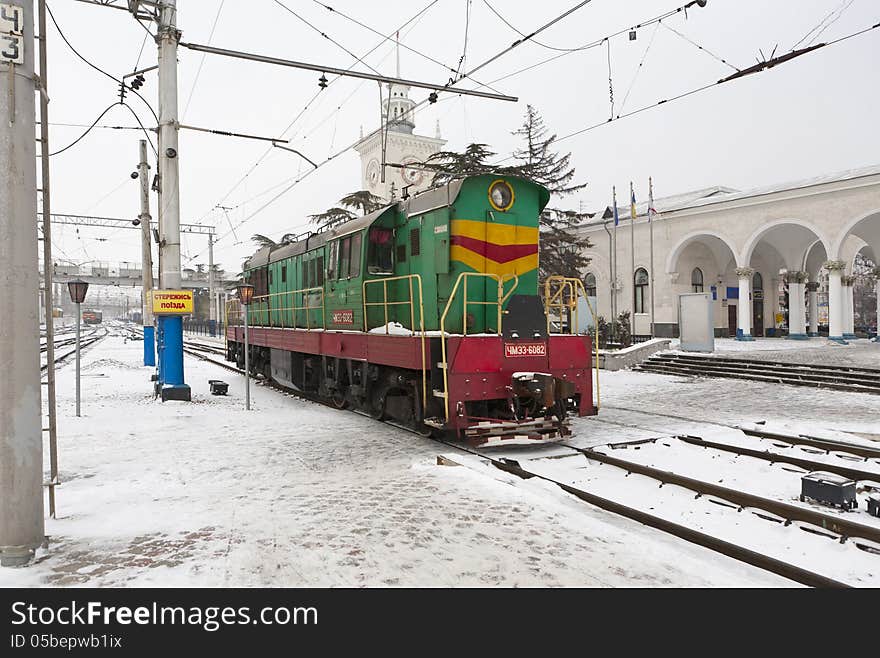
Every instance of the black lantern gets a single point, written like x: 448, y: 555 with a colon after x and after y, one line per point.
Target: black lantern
x: 245, y: 293
x: 77, y: 289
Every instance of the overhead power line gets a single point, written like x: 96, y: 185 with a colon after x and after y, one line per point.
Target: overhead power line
x: 98, y: 68
x: 757, y: 68
x: 417, y: 16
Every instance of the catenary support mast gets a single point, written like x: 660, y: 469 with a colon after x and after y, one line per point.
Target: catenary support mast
x: 21, y: 445
x: 172, y: 381
x: 146, y: 257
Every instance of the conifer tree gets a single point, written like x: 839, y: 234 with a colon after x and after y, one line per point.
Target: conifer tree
x: 448, y: 165
x: 561, y: 247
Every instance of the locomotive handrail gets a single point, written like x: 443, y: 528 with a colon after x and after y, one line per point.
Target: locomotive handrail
x: 412, y: 321
x: 500, y: 300
x: 574, y: 286
x: 264, y: 304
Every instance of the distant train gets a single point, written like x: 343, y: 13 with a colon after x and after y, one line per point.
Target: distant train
x: 92, y: 317
x: 427, y: 312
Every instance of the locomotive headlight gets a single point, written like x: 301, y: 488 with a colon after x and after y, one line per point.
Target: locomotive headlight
x: 501, y: 195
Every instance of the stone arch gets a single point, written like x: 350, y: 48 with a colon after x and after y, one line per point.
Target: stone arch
x: 863, y: 228
x: 772, y: 230
x: 709, y: 238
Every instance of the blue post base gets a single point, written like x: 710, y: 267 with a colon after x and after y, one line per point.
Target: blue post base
x: 171, y: 380
x: 837, y: 339
x: 813, y: 334
x: 743, y: 336
x: 850, y: 337
x: 212, y: 326
x: 798, y: 337
x: 149, y: 345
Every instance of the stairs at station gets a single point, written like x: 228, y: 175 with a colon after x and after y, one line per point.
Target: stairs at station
x: 840, y: 378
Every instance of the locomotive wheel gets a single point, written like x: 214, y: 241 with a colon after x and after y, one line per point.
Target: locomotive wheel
x: 337, y: 398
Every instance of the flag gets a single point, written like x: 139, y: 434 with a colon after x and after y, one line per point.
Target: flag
x: 614, y: 206
x: 632, y: 202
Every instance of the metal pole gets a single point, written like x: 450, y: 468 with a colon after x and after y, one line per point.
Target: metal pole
x: 651, y: 241
x: 146, y: 258
x: 614, y: 280
x: 21, y: 444
x: 247, y: 364
x: 212, y: 311
x: 78, y: 319
x: 47, y: 259
x: 632, y: 257
x: 168, y: 36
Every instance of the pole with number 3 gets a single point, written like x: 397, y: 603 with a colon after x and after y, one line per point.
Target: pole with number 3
x: 11, y: 38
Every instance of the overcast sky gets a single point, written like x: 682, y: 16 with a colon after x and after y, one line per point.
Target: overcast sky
x: 814, y: 115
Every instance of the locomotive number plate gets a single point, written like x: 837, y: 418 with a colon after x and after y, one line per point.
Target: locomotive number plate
x: 343, y: 317
x: 512, y: 350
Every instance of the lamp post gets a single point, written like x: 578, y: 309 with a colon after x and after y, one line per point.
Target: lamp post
x: 245, y: 295
x: 77, y: 289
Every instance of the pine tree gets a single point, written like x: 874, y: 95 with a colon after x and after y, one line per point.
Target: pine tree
x: 332, y: 217
x: 362, y: 201
x: 263, y: 241
x: 561, y: 247
x: 449, y: 165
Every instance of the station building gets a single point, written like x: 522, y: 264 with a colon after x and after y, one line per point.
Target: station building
x: 784, y: 252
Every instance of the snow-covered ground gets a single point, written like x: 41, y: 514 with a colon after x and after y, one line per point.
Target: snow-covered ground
x: 296, y: 494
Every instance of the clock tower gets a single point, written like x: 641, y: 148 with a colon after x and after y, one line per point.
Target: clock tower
x: 402, y: 146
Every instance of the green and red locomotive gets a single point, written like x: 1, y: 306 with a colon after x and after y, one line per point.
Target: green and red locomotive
x: 426, y: 312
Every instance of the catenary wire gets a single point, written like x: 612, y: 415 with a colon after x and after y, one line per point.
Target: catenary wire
x: 202, y: 62
x: 97, y: 68
x: 296, y: 118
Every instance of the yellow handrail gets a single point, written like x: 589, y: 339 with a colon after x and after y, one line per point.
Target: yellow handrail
x: 256, y: 306
x: 412, y: 320
x: 576, y: 289
x: 500, y: 300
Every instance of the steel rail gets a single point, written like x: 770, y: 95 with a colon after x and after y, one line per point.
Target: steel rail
x: 774, y: 457
x: 791, y: 513
x: 829, y: 445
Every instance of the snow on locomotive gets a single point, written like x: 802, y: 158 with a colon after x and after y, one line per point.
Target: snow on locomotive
x: 426, y: 312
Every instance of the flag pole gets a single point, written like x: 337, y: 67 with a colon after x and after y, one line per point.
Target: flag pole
x: 632, y: 256
x: 651, y: 244
x: 614, y: 281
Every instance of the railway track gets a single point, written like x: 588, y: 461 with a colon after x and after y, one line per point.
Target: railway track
x: 784, y: 514
x: 60, y: 359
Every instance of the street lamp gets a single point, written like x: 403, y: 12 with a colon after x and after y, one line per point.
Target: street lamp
x: 77, y: 289
x: 245, y: 295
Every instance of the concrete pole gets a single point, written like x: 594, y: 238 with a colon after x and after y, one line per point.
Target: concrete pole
x: 835, y: 299
x: 146, y: 258
x: 171, y: 327
x: 21, y: 441
x: 813, y: 289
x: 743, y: 306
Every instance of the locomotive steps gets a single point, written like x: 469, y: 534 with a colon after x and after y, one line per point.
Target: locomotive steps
x: 841, y: 378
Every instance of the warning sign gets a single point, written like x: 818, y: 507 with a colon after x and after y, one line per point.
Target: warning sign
x: 172, y: 302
